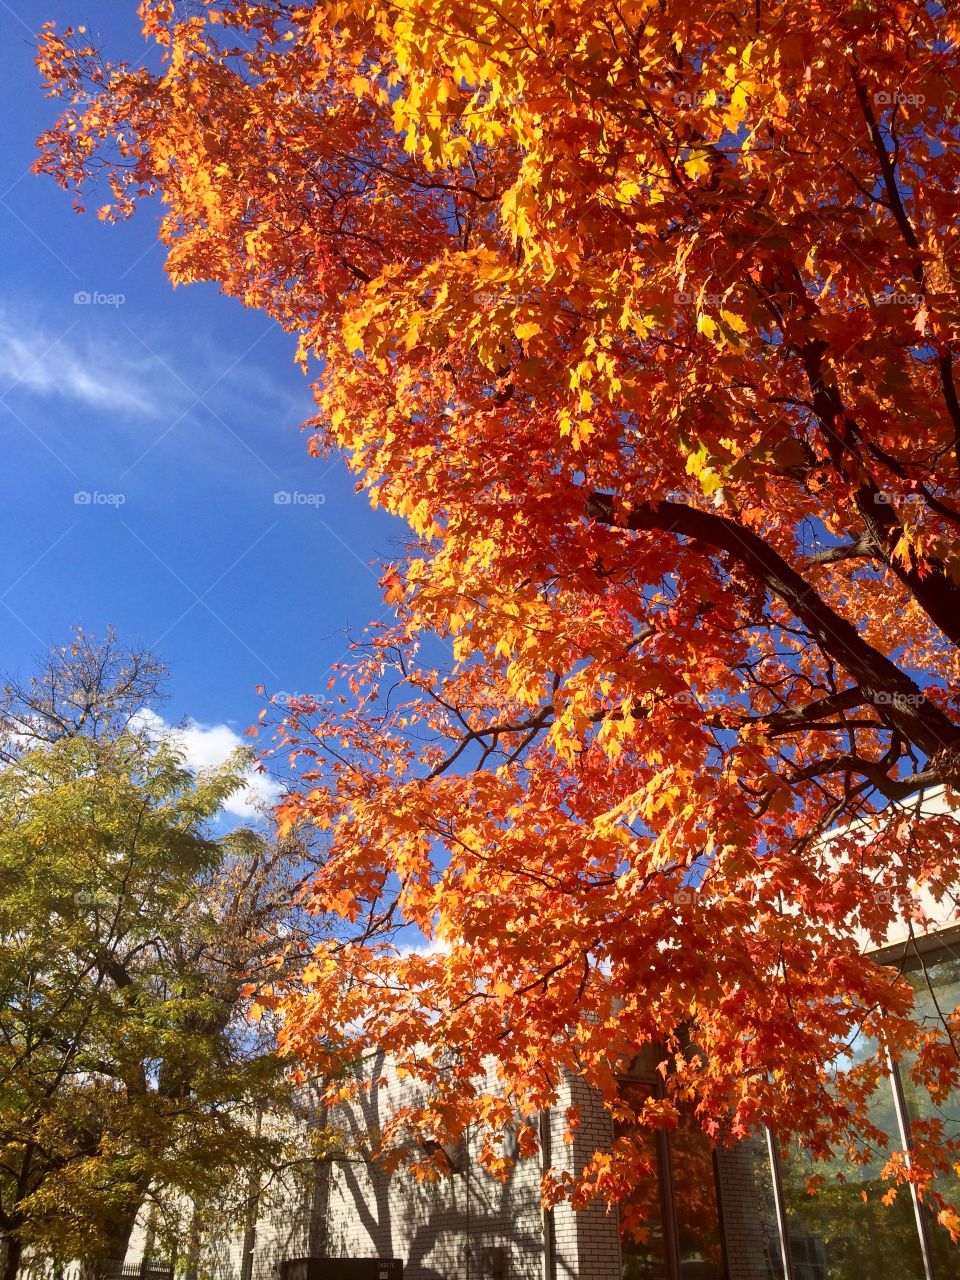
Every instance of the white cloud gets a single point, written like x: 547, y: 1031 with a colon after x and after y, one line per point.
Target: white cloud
x: 104, y: 375
x: 206, y: 747
x: 425, y: 947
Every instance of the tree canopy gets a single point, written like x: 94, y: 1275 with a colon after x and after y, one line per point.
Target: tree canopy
x: 132, y: 932
x: 644, y: 317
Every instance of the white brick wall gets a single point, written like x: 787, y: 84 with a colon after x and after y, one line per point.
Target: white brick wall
x: 587, y: 1242
x: 467, y: 1226
x: 453, y: 1229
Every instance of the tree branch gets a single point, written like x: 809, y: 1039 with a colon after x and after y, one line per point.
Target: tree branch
x: 801, y: 717
x: 897, y: 698
x: 863, y: 549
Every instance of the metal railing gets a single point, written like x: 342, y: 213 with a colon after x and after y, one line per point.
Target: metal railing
x: 147, y: 1269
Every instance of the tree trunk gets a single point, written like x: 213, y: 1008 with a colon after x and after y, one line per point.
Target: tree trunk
x: 123, y: 1221
x: 12, y: 1253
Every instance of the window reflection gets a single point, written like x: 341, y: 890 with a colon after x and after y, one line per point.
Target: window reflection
x: 843, y: 1231
x: 693, y: 1214
x: 836, y: 1234
x: 695, y: 1202
x: 937, y: 987
x: 643, y: 1252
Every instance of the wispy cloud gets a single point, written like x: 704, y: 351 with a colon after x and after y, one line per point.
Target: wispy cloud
x: 206, y: 747
x: 89, y: 370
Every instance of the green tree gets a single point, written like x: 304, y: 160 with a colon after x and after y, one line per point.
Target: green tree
x: 132, y: 929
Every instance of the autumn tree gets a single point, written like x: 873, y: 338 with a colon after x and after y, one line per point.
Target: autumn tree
x: 644, y: 317
x: 90, y: 687
x: 130, y: 928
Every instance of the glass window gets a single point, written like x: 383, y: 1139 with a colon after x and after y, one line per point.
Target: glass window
x: 695, y: 1202
x: 645, y: 1259
x: 643, y: 1252
x: 751, y: 1220
x: 937, y: 987
x: 844, y: 1232
x: 694, y: 1214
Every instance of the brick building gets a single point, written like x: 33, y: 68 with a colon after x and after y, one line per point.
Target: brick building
x: 464, y: 1227
x: 741, y: 1213
x: 735, y: 1214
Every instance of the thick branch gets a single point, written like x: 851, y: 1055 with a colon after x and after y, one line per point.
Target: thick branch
x: 898, y: 699
x: 863, y: 549
x: 812, y: 712
x: 888, y: 170
x: 930, y: 587
x: 893, y: 788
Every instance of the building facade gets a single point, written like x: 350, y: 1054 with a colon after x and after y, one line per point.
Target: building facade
x: 740, y: 1213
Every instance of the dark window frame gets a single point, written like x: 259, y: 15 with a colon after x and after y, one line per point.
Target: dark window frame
x: 668, y: 1208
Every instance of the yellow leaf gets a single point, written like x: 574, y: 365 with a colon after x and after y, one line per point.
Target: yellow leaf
x: 698, y: 165
x: 902, y: 550
x: 736, y: 322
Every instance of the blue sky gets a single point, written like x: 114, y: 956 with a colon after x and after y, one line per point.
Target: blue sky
x: 178, y: 413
